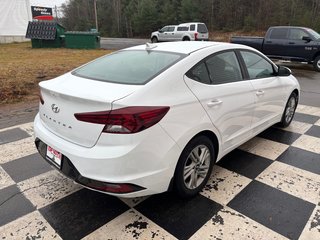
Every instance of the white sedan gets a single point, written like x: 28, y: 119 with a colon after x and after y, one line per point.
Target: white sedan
x: 157, y: 117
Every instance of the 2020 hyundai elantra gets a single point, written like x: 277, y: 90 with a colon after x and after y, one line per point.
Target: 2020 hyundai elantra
x: 156, y: 117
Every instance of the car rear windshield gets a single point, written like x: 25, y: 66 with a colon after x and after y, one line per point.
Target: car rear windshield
x: 202, y: 28
x: 129, y: 67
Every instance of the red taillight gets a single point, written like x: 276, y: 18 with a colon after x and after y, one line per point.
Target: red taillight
x: 94, y: 117
x: 114, y: 188
x: 125, y: 120
x: 196, y: 36
x: 41, y: 98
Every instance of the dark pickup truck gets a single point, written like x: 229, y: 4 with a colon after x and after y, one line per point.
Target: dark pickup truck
x: 287, y: 43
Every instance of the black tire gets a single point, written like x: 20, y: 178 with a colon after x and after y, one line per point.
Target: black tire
x: 200, y: 144
x: 289, y: 111
x: 316, y: 63
x: 154, y: 40
x: 186, y: 39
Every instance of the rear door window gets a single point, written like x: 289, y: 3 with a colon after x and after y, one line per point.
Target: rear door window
x: 217, y: 69
x: 192, y: 27
x: 279, y: 33
x: 199, y: 73
x: 224, y: 68
x: 182, y: 29
x: 170, y: 29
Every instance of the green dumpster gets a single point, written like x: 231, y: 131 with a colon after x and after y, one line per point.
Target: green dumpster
x: 82, y: 40
x: 45, y: 34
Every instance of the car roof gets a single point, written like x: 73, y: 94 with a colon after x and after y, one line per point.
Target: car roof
x: 290, y: 27
x: 187, y: 24
x: 183, y: 47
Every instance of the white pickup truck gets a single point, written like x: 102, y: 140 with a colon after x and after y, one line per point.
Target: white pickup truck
x: 194, y: 31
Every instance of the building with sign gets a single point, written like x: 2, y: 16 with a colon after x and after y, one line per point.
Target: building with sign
x: 15, y: 15
x: 14, y: 18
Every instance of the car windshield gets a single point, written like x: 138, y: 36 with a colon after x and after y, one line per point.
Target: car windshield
x: 129, y: 67
x: 314, y: 34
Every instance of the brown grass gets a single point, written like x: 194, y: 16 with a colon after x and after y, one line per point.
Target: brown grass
x: 22, y: 68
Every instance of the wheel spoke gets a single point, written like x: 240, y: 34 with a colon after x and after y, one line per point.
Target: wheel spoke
x: 203, y: 172
x: 190, y: 180
x: 204, y: 155
x: 188, y: 172
x: 194, y: 179
x: 194, y: 156
x: 204, y: 167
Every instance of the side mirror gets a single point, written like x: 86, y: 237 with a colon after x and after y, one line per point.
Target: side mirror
x: 306, y: 38
x: 160, y: 31
x: 284, y: 71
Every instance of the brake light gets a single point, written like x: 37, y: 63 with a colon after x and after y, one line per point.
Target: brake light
x: 196, y: 36
x: 125, y: 120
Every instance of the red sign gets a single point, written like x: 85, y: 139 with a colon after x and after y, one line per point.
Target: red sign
x: 41, y: 13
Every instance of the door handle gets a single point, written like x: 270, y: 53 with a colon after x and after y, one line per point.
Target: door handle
x: 291, y: 43
x: 214, y: 103
x: 259, y: 92
x: 268, y: 41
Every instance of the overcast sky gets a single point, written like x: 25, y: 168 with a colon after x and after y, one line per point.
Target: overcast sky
x: 47, y: 3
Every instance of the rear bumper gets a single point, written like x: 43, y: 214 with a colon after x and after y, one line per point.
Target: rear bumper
x: 146, y: 162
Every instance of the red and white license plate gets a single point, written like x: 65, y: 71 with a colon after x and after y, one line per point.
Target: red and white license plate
x: 54, y: 156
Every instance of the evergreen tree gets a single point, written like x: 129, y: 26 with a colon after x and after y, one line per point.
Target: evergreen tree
x: 189, y: 11
x: 129, y: 18
x: 146, y: 18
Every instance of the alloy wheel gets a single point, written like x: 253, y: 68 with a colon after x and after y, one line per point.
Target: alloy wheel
x: 196, y: 166
x: 291, y: 107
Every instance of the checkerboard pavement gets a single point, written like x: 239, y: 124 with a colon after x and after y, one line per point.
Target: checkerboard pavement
x: 268, y: 188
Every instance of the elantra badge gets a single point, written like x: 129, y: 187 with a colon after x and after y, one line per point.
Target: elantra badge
x: 55, y: 108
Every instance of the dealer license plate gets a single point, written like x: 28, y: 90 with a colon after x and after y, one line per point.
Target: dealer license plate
x: 54, y: 156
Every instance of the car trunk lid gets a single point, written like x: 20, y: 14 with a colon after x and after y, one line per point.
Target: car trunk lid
x: 69, y: 94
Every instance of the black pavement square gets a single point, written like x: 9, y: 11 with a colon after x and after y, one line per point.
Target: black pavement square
x: 12, y: 135
x: 245, y: 163
x: 26, y: 167
x: 82, y: 212
x: 13, y: 204
x: 277, y: 210
x: 180, y: 217
x: 301, y: 159
x: 279, y: 135
x: 306, y: 118
x: 314, y: 131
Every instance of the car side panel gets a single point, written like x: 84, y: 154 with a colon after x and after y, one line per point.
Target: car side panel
x: 269, y: 96
x: 234, y: 115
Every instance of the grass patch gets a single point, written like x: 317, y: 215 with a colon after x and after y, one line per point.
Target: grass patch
x: 22, y: 68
